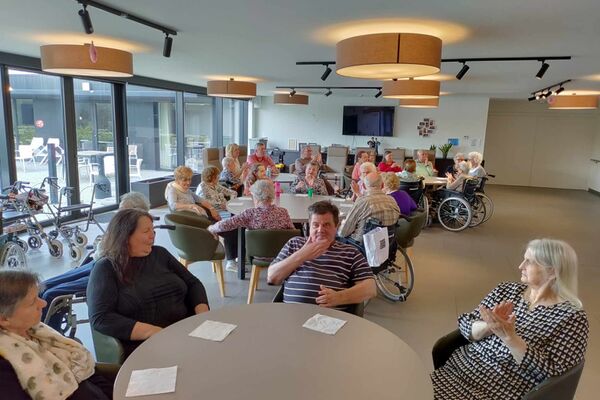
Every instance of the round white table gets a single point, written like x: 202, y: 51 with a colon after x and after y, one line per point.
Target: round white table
x: 296, y: 204
x: 270, y: 356
x: 285, y: 177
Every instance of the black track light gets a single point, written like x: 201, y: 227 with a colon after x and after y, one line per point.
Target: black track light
x: 378, y: 94
x: 292, y: 93
x: 168, y: 45
x: 86, y: 20
x: 542, y: 70
x: 328, y: 93
x: 326, y: 73
x: 559, y: 90
x: 462, y: 71
x: 531, y: 98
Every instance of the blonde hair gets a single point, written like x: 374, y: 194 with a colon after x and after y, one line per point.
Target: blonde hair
x: 183, y: 172
x: 230, y: 148
x: 368, y: 167
x: 209, y: 173
x: 390, y: 181
x: 559, y: 256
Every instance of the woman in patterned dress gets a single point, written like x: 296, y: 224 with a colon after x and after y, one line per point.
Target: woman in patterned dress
x: 210, y: 190
x: 309, y: 180
x: 521, y: 333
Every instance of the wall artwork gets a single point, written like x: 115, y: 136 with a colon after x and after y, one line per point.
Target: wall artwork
x: 426, y: 127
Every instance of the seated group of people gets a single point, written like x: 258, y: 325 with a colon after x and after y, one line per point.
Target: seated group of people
x: 521, y: 333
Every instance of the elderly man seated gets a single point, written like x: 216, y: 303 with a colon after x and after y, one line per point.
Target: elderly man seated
x: 424, y: 166
x: 261, y: 157
x: 373, y: 204
x: 307, y: 157
x: 320, y: 270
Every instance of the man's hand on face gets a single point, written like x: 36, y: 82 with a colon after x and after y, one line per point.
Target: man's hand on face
x: 314, y: 248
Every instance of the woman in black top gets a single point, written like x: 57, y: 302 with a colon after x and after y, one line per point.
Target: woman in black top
x: 136, y: 288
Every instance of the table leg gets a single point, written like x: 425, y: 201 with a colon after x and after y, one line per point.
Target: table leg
x: 241, y: 253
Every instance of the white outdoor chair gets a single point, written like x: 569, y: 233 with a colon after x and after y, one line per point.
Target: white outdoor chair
x: 25, y: 153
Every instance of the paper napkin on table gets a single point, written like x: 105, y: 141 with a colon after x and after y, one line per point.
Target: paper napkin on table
x: 338, y: 200
x: 235, y: 204
x: 152, y: 381
x: 324, y: 324
x: 301, y: 195
x: 213, y: 330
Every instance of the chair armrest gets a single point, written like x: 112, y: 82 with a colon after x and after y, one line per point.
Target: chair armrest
x: 445, y: 346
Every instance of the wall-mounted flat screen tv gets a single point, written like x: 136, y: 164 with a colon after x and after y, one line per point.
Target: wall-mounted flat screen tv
x: 368, y: 121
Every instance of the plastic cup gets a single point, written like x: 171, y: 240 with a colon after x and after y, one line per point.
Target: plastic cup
x: 310, y: 192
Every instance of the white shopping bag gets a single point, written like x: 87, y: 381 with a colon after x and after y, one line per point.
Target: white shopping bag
x: 377, y: 246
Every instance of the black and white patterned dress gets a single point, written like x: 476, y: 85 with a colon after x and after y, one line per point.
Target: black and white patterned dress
x: 556, y: 338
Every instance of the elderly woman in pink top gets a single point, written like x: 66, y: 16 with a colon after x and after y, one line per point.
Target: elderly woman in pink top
x: 264, y: 214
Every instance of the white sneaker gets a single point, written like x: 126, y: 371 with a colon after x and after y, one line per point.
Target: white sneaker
x: 231, y: 266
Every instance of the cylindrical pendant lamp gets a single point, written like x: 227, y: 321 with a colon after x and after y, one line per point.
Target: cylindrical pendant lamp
x: 419, y: 103
x: 231, y: 88
x: 85, y: 60
x: 411, y: 89
x: 286, y: 99
x: 573, y: 102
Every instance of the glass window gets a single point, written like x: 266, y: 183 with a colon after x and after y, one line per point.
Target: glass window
x: 231, y: 120
x: 95, y: 141
x: 37, y: 116
x: 197, y: 128
x: 151, y: 125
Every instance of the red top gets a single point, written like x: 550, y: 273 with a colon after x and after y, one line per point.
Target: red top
x: 383, y: 167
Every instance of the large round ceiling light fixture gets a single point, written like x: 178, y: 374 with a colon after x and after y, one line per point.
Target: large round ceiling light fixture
x: 287, y: 99
x: 411, y: 89
x: 419, y: 103
x: 86, y: 60
x: 388, y: 56
x: 231, y: 88
x: 573, y: 102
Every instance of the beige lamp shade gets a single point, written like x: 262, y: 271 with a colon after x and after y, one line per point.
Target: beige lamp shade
x: 419, y: 103
x: 573, y: 102
x: 388, y: 56
x: 284, y: 98
x: 231, y: 88
x: 411, y: 89
x: 75, y: 59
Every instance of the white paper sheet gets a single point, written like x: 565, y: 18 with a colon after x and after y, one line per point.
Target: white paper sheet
x: 338, y: 200
x: 145, y: 382
x: 301, y: 195
x: 324, y: 324
x: 235, y: 204
x: 213, y: 330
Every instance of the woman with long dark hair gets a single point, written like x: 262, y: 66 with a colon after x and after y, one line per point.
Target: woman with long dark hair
x: 136, y: 288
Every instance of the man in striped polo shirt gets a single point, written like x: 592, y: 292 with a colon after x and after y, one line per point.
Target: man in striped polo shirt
x: 320, y: 270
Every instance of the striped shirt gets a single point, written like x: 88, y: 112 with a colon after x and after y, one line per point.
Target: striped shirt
x: 340, y: 267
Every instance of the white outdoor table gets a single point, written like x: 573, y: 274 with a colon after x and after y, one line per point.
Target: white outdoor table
x: 270, y: 356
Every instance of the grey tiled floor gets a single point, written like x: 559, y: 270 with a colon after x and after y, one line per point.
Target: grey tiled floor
x: 455, y: 270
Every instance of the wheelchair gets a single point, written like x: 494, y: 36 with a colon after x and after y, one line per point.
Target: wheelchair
x: 483, y: 198
x: 12, y: 251
x: 395, y: 278
x: 416, y: 191
x: 455, y: 210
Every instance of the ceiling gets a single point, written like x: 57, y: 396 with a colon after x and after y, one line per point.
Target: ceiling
x: 263, y: 39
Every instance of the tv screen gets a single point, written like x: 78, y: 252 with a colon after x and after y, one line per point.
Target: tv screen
x: 368, y: 121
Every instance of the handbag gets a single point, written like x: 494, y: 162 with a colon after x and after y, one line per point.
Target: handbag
x: 377, y: 246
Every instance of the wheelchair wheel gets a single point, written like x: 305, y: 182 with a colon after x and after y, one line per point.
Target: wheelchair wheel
x: 424, y: 205
x: 478, y: 210
x: 23, y: 245
x: 53, y: 234
x: 488, y: 203
x: 75, y: 253
x: 81, y: 239
x: 454, y: 213
x: 55, y: 247
x: 12, y: 256
x: 35, y: 241
x: 395, y: 281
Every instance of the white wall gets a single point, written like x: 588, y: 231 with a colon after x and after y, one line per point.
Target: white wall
x: 529, y: 145
x: 321, y: 122
x: 594, y: 175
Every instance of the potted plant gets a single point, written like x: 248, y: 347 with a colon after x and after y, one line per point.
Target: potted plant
x: 445, y: 148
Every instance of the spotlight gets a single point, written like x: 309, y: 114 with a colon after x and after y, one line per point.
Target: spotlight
x: 549, y: 93
x: 86, y: 20
x: 559, y: 90
x: 542, y: 70
x: 531, y: 98
x: 538, y: 96
x: 292, y: 93
x: 462, y: 71
x: 326, y: 73
x: 328, y: 93
x: 378, y: 94
x: 168, y: 45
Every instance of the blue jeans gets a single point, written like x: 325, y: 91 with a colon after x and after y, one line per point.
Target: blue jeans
x: 71, y: 282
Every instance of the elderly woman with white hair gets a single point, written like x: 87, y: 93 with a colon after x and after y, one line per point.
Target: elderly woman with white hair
x: 358, y: 188
x: 453, y: 169
x: 264, y: 214
x: 476, y: 170
x: 521, y: 333
x: 456, y: 182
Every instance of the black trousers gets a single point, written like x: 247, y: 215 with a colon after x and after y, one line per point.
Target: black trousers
x: 231, y: 244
